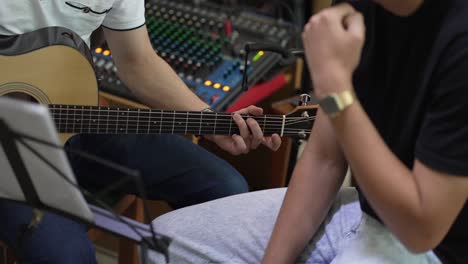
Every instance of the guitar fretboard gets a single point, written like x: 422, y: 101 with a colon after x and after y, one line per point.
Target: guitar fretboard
x: 109, y: 120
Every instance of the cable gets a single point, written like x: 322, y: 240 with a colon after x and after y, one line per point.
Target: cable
x: 294, y: 20
x: 160, y: 242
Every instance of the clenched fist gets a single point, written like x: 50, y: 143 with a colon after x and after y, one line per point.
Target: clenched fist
x: 333, y: 41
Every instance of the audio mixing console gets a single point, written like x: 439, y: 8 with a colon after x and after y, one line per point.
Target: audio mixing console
x: 204, y: 44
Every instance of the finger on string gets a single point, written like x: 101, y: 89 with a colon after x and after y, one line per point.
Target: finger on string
x: 273, y: 142
x: 276, y: 142
x: 243, y: 128
x: 257, y: 134
x: 254, y: 110
x: 239, y: 145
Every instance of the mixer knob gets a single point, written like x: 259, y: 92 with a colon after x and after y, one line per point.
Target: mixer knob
x: 108, y: 65
x: 241, y: 68
x: 211, y: 65
x: 220, y: 27
x: 211, y: 24
x: 100, y: 63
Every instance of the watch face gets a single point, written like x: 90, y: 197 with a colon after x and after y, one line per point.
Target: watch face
x: 329, y: 106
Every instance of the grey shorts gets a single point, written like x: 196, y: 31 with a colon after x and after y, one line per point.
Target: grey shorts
x: 236, y: 229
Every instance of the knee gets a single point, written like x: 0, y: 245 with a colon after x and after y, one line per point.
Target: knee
x: 229, y: 181
x: 68, y: 244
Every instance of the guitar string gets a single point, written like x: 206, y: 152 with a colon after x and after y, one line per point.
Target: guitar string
x: 147, y: 115
x: 173, y: 120
x: 102, y: 131
x: 179, y: 121
x: 86, y: 116
x: 163, y: 112
x: 168, y: 124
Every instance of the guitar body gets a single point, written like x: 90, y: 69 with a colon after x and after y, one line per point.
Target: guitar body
x: 48, y: 66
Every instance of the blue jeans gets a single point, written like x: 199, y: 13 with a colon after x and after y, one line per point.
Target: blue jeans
x: 236, y: 230
x: 173, y: 169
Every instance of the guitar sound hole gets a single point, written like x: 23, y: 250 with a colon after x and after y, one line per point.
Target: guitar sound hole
x: 22, y: 96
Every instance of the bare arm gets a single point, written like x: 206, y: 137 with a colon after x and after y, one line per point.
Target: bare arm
x: 316, y: 180
x: 418, y: 205
x: 143, y: 71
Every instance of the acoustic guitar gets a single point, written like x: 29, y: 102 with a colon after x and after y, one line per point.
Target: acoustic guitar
x: 54, y: 67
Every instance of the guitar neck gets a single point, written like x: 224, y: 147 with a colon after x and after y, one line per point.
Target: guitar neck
x: 109, y: 120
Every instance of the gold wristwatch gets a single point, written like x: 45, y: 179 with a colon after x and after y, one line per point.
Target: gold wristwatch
x: 335, y: 103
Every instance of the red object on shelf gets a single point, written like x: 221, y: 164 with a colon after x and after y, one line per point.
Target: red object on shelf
x: 258, y: 92
x: 228, y: 27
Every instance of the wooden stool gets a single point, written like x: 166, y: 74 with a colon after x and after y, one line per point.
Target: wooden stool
x: 132, y: 207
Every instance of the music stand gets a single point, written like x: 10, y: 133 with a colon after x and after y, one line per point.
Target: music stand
x: 27, y: 134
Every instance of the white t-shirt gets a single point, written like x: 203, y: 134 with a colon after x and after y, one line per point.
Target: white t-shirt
x: 81, y: 16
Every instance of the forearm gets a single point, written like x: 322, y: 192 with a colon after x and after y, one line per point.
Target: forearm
x: 310, y: 194
x: 155, y: 83
x: 388, y: 184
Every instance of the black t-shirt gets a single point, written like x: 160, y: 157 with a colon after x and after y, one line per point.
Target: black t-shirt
x: 413, y: 84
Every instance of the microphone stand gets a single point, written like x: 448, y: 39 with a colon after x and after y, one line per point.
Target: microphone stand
x: 288, y: 57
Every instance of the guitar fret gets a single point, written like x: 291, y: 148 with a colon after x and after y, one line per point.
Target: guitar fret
x: 126, y: 126
x: 117, y: 123
x: 66, y: 123
x: 149, y: 122
x: 186, y: 123
x: 215, y: 121
x: 230, y: 125
x: 138, y: 121
x: 107, y: 123
x: 173, y: 122
x: 201, y: 120
x: 264, y: 122
x: 59, y: 120
x: 74, y: 118
x: 89, y: 121
x: 99, y: 120
x: 160, y: 124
